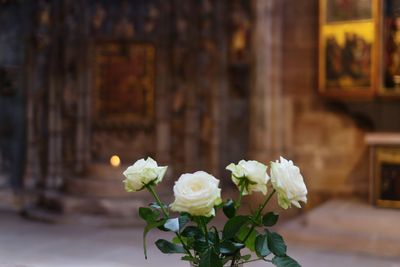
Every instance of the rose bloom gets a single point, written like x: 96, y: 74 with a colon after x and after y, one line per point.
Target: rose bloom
x: 197, y: 194
x: 252, y: 170
x: 288, y: 182
x: 142, y: 173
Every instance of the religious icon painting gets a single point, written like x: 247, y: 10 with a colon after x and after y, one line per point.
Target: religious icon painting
x: 347, y: 48
x: 390, y: 48
x: 387, y: 177
x: 124, y: 80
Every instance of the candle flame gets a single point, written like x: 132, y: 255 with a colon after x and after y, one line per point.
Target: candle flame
x: 115, y: 161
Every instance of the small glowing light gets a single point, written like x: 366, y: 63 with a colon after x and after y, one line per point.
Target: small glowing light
x: 115, y: 161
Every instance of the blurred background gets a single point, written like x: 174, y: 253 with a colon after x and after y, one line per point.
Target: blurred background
x: 87, y: 87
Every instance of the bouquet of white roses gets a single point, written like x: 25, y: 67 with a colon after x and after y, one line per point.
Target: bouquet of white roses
x: 197, y: 197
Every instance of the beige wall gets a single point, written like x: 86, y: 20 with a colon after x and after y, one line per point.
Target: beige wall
x: 296, y: 121
x: 328, y: 146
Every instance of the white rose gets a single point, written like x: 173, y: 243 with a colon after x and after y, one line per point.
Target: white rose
x: 141, y: 173
x: 254, y: 171
x: 288, y: 182
x: 196, y: 193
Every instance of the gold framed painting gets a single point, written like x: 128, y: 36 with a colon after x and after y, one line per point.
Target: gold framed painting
x: 387, y: 177
x: 124, y: 81
x: 389, y: 48
x: 347, y: 48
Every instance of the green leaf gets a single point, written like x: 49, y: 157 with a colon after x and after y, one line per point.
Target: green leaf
x: 162, y: 228
x: 202, y: 219
x: 229, y: 247
x: 257, y: 221
x: 213, y: 236
x: 148, y: 214
x: 176, y: 240
x: 184, y: 218
x: 276, y: 244
x: 262, y: 245
x: 250, y: 242
x: 172, y: 225
x: 200, y: 245
x: 192, y: 232
x: 186, y: 258
x: 210, y: 259
x: 155, y: 205
x: 285, y: 261
x: 233, y: 225
x: 246, y: 257
x: 168, y: 247
x: 270, y: 219
x: 146, y: 230
x: 229, y: 208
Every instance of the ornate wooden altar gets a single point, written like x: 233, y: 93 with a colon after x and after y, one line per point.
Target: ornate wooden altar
x: 384, y: 169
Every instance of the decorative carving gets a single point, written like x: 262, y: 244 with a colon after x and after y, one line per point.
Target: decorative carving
x: 98, y: 18
x: 152, y: 19
x: 124, y: 19
x: 43, y: 27
x: 240, y: 25
x: 124, y: 28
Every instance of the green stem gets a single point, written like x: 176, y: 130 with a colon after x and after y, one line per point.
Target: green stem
x: 259, y: 259
x: 265, y: 203
x: 205, y: 230
x: 203, y: 225
x: 154, y: 194
x: 260, y: 209
x: 239, y: 202
x: 166, y: 215
x: 237, y: 206
x: 184, y: 245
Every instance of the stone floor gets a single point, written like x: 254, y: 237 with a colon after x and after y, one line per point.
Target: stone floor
x: 33, y: 244
x: 348, y: 226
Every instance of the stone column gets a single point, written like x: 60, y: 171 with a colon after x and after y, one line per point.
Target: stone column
x: 267, y: 133
x: 54, y: 158
x: 185, y: 65
x: 32, y: 171
x: 84, y: 83
x: 163, y: 88
x: 192, y: 91
x: 37, y: 87
x: 219, y: 90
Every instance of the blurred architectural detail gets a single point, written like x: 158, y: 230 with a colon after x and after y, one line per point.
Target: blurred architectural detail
x: 142, y: 78
x: 384, y: 155
x: 13, y: 24
x: 195, y: 84
x: 267, y: 120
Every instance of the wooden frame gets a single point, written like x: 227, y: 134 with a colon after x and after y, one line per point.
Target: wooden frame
x: 387, y: 177
x: 135, y: 84
x: 389, y: 31
x: 342, y: 36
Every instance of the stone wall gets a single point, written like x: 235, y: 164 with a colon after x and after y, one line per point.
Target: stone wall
x: 13, y: 24
x: 289, y: 117
x: 206, y: 115
x: 328, y: 145
x: 200, y: 114
x: 326, y: 135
